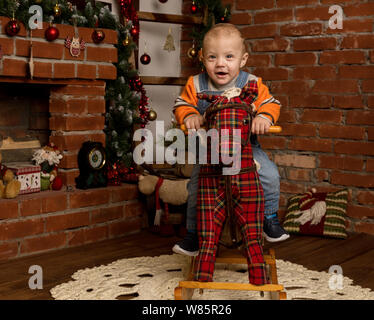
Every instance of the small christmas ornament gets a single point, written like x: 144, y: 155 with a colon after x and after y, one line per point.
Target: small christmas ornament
x: 134, y: 31
x: 169, y: 43
x: 152, y: 115
x: 224, y: 18
x: 51, y: 33
x: 192, y: 52
x: 193, y: 7
x: 98, y: 36
x: 145, y: 58
x: 126, y: 42
x: 57, y: 10
x: 163, y: 1
x: 12, y: 28
x: 75, y: 46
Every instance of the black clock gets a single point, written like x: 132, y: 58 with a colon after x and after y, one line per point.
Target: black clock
x: 92, y: 161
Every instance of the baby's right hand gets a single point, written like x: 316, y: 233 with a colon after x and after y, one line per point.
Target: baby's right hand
x: 194, y: 121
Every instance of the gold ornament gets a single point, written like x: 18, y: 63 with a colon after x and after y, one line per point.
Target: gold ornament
x: 192, y: 52
x: 126, y: 42
x: 152, y: 115
x: 57, y: 10
x: 169, y: 43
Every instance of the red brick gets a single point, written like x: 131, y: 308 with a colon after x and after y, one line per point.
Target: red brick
x: 272, y: 73
x: 318, y: 115
x: 298, y: 174
x: 352, y: 179
x: 354, y: 147
x: 268, y: 142
x: 277, y: 44
x: 295, y: 160
x: 69, y: 161
x: 258, y: 60
x: 134, y: 209
x: 295, y: 3
x: 314, y: 44
x: 279, y: 15
x: 301, y: 130
x: 101, y: 54
x: 335, y: 86
x: 124, y: 192
x: 44, y: 243
x: 348, y: 102
x: 42, y: 70
x: 241, y: 18
x: 96, y: 106
x: 310, y: 144
x: 47, y: 50
x: 292, y: 187
x: 353, y: 26
x: 311, y: 101
x: 20, y: 229
x: 301, y: 29
x: 63, y: 70
x: 254, y: 5
x: 359, y: 211
x: 341, y: 162
x: 70, y: 106
x: 367, y: 85
x: 13, y: 67
x: 7, y: 46
x: 322, y: 175
x: 324, y: 72
x: 289, y: 59
x: 344, y: 132
x: 8, y: 209
x: 360, y: 117
x: 342, y: 57
x: 96, y: 89
x: 80, y: 199
x: 86, y: 71
x: 107, y: 72
x: 68, y: 142
x: 68, y: 177
x: 372, y: 56
x: 370, y: 165
x: 54, y: 201
x: 288, y: 87
x: 87, y: 235
x: 30, y: 206
x: 259, y: 31
x: 107, y: 214
x: 67, y: 221
x: 358, y: 41
x: 362, y: 9
x: 312, y: 13
x: 8, y: 250
x: 365, y: 197
x: 73, y: 123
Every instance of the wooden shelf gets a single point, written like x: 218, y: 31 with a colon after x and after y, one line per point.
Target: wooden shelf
x: 164, y: 80
x: 168, y: 18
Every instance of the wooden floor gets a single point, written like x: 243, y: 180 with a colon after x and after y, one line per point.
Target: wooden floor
x: 355, y: 255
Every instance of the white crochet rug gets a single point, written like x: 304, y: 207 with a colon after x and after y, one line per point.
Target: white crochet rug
x: 154, y: 278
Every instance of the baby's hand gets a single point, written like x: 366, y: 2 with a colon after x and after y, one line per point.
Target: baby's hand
x: 194, y: 121
x: 260, y: 125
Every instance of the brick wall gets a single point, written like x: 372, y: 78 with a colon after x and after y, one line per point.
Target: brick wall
x: 325, y: 81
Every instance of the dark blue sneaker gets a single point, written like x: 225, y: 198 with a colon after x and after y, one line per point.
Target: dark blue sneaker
x: 189, y: 246
x: 273, y: 231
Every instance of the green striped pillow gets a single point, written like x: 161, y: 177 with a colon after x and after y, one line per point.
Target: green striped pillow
x: 332, y: 224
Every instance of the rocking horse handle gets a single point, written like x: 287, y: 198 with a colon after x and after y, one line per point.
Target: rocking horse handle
x: 272, y: 129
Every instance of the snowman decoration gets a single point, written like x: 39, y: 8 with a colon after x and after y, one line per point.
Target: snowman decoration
x: 74, y: 46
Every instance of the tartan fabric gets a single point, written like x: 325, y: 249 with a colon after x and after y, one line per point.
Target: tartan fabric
x: 247, y: 197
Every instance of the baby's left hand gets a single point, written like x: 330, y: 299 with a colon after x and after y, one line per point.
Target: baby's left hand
x: 260, y: 125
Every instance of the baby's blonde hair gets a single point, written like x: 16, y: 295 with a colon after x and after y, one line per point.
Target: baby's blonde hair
x: 226, y: 29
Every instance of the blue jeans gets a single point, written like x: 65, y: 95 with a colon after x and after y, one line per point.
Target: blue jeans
x: 269, y: 177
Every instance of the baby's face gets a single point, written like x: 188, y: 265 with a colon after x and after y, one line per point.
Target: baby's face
x: 223, y: 56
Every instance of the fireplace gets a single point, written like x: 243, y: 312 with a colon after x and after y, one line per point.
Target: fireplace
x: 63, y: 104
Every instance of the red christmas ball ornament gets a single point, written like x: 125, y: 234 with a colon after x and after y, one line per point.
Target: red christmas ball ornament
x: 57, y: 183
x: 12, y: 28
x: 145, y: 59
x: 98, y: 36
x: 51, y: 33
x: 193, y: 7
x: 134, y: 31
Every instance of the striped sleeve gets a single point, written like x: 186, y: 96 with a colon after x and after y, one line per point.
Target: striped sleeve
x: 186, y: 103
x: 266, y: 105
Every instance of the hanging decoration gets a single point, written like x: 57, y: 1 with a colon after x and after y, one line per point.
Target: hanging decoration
x: 12, y: 28
x: 152, y: 116
x: 193, y: 7
x: 163, y: 1
x: 169, y: 43
x: 51, y: 33
x: 74, y: 45
x: 145, y: 58
x: 192, y: 52
x: 57, y: 10
x: 98, y: 36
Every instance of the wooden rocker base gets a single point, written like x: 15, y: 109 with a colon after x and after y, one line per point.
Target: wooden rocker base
x: 186, y: 288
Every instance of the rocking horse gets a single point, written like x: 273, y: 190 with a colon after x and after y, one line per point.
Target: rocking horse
x: 228, y: 199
